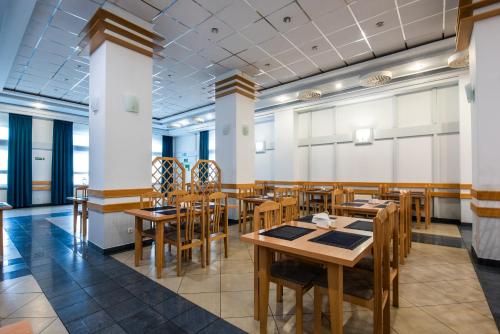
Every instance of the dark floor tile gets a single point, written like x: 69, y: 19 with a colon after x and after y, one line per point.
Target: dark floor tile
x: 77, y: 311
x: 142, y: 321
x: 221, y: 327
x: 14, y: 274
x: 155, y: 296
x: 115, y: 329
x: 77, y: 327
x: 167, y: 327
x: 69, y: 299
x: 102, y: 288
x: 131, y: 278
x: 60, y: 289
x: 126, y: 309
x: 118, y: 271
x: 194, y: 319
x: 98, y: 321
x: 112, y: 298
x: 173, y: 307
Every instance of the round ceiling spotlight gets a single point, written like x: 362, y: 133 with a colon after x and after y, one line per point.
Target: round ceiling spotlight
x: 215, y: 30
x: 375, y: 79
x: 459, y: 59
x: 309, y: 95
x: 315, y: 48
x: 287, y: 19
x: 379, y: 24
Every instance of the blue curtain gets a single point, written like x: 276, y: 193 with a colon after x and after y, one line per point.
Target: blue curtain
x: 203, y: 154
x: 167, y: 149
x: 62, y: 162
x: 19, y: 177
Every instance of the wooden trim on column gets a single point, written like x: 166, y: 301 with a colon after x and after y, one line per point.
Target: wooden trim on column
x: 237, y: 91
x: 466, y: 20
x: 233, y: 78
x: 117, y: 193
x: 40, y: 185
x: 485, y: 212
x: 485, y: 195
x: 116, y: 207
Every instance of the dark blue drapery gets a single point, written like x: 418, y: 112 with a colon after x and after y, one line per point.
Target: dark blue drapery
x: 19, y: 177
x: 167, y: 148
x: 203, y: 154
x: 62, y: 162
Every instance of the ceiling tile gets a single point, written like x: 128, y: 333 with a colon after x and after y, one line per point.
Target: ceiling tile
x: 265, y: 80
x: 451, y: 4
x: 267, y: 64
x: 304, y: 68
x: 364, y: 9
x: 197, y: 61
x: 188, y: 12
x: 193, y: 41
x: 335, y: 21
x: 283, y: 74
x: 259, y: 32
x: 276, y: 45
x: 139, y: 9
x: 345, y: 36
x: 387, y: 20
x: 206, y: 28
x: 238, y: 15
x: 42, y: 12
x: 216, y: 70
x: 317, y: 8
x: 214, y: 5
x: 328, y: 60
x: 350, y: 50
x: 81, y: 8
x: 419, y: 10
x: 316, y: 46
x: 61, y: 36
x: 266, y: 7
x: 253, y: 55
x: 250, y: 70
x: 303, y: 33
x: 169, y: 28
x: 54, y: 48
x: 215, y: 53
x: 159, y: 4
x: 290, y: 56
x: 233, y: 62
x: 294, y: 12
x: 235, y: 43
x: 450, y: 22
x: 387, y: 42
x: 68, y: 22
x: 177, y: 51
x: 424, y: 31
x: 182, y: 70
x: 359, y: 58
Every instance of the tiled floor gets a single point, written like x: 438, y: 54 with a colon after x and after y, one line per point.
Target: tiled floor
x: 447, y: 230
x: 88, y: 292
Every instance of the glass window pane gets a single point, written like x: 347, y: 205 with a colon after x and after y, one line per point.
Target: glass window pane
x: 80, y: 179
x: 4, y: 133
x: 80, y: 161
x: 3, y: 179
x: 3, y: 158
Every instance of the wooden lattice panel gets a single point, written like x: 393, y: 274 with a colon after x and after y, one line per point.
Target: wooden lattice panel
x: 168, y: 175
x: 206, y: 177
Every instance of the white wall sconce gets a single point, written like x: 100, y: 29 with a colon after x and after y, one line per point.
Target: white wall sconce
x: 260, y: 147
x: 131, y: 103
x: 363, y: 136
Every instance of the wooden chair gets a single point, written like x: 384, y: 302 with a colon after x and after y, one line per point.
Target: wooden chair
x: 364, y: 288
x: 186, y: 237
x: 349, y: 194
x: 337, y: 199
x: 81, y: 191
x: 174, y: 194
x: 285, y: 271
x: 405, y: 205
x: 383, y: 189
x: 150, y: 199
x: 289, y: 209
x: 217, y: 221
x: 246, y: 190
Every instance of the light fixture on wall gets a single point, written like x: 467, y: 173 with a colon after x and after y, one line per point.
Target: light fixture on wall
x: 375, y: 79
x: 260, y: 147
x: 363, y: 136
x: 309, y: 95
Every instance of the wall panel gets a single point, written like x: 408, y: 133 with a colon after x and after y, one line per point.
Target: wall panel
x: 415, y: 159
x: 322, y: 123
x: 414, y: 109
x: 377, y: 114
x: 322, y: 163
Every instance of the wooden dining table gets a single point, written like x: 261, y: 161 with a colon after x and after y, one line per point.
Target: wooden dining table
x: 323, y: 194
x: 418, y: 198
x: 3, y: 206
x: 361, y: 207
x: 76, y: 202
x: 333, y: 258
x: 256, y: 200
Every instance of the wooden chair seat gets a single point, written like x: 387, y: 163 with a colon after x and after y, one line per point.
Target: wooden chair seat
x: 295, y: 272
x: 357, y: 283
x: 172, y: 236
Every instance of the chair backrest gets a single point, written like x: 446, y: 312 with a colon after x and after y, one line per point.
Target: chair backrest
x: 248, y: 190
x: 174, y: 194
x: 190, y: 205
x: 381, y: 259
x: 337, y: 199
x: 151, y: 199
x: 383, y: 189
x: 83, y: 191
x: 289, y: 210
x: 393, y: 234
x: 268, y: 213
x: 261, y: 189
x: 214, y: 209
x: 349, y: 194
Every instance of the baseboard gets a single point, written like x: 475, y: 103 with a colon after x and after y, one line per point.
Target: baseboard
x: 484, y: 262
x: 118, y: 249
x: 445, y: 221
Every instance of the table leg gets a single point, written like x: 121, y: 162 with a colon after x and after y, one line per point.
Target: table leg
x: 138, y: 241
x: 308, y: 208
x: 418, y: 212
x: 245, y: 208
x: 264, y: 269
x: 427, y: 210
x: 256, y: 282
x: 1, y: 236
x: 160, y: 230
x: 84, y: 219
x: 75, y: 216
x: 336, y: 297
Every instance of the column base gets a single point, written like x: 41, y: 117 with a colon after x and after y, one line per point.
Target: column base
x: 482, y: 261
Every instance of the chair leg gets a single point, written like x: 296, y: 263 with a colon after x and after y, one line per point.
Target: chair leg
x: 169, y: 248
x: 299, y: 311
x: 279, y: 293
x: 179, y: 259
x: 202, y: 254
x: 208, y: 251
x: 226, y: 241
x: 386, y: 324
x: 395, y: 291
x: 318, y: 303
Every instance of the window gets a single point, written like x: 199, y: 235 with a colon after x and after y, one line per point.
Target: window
x: 211, y: 145
x: 156, y: 146
x: 80, y: 154
x: 4, y: 148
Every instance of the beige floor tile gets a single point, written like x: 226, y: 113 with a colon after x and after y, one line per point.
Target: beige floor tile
x: 481, y: 307
x: 37, y: 324
x: 172, y: 283
x: 56, y: 327
x: 10, y: 302
x: 237, y: 304
x: 419, y: 294
x: 24, y: 286
x: 236, y: 267
x: 208, y: 301
x: 448, y: 230
x: 37, y: 308
x: 9, y: 283
x: 460, y: 290
x: 237, y: 282
x: 251, y: 326
x: 412, y: 320
x: 462, y: 319
x: 200, y: 283
x: 287, y: 306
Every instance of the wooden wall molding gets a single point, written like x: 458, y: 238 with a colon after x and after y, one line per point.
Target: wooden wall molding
x: 115, y: 207
x: 466, y: 20
x: 117, y: 193
x: 485, y: 212
x: 486, y: 195
x: 41, y: 185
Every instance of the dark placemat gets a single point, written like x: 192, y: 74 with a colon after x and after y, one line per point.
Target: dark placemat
x: 353, y: 204
x: 170, y: 212
x: 381, y: 206
x: 159, y: 208
x: 306, y: 219
x: 361, y: 225
x: 287, y: 232
x: 341, y: 239
x: 362, y: 200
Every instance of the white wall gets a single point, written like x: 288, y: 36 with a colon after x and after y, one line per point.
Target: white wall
x: 265, y: 162
x: 186, y: 149
x: 42, y: 157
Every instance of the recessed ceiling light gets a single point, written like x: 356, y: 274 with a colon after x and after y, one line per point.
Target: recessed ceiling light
x: 375, y: 79
x: 339, y: 85
x: 184, y: 122
x: 215, y: 30
x: 199, y: 120
x: 175, y: 125
x: 38, y: 105
x: 287, y: 19
x: 417, y: 66
x: 379, y: 24
x: 282, y: 98
x: 315, y: 48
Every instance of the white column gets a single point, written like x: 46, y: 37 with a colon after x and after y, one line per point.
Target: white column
x: 485, y: 77
x: 465, y: 148
x: 285, y: 166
